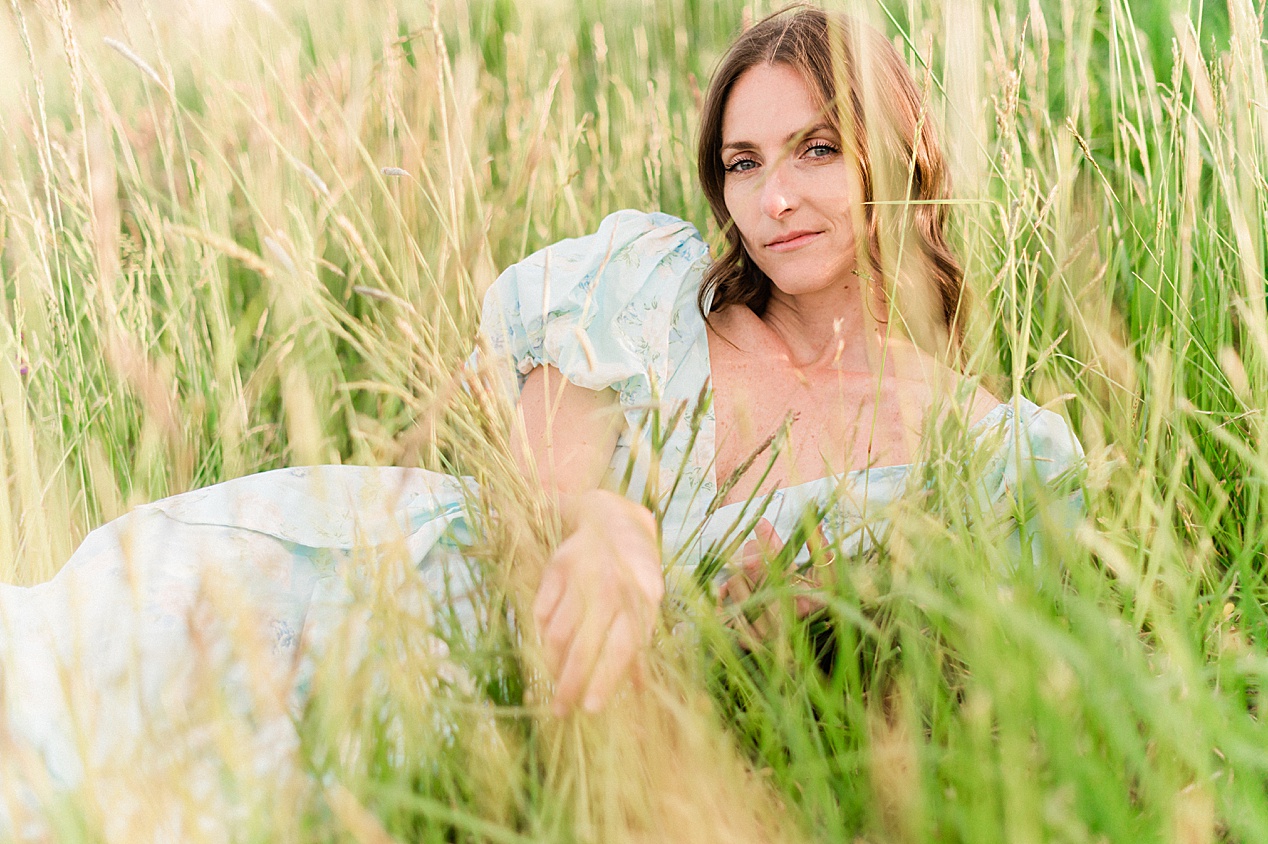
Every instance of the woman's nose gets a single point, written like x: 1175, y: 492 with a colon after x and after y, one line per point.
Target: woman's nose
x: 778, y: 193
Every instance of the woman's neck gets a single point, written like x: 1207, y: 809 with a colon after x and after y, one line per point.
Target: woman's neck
x: 832, y: 329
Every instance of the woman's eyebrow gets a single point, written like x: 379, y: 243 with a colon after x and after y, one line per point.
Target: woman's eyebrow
x: 788, y: 141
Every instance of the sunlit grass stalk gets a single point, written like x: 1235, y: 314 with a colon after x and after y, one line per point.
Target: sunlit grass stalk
x: 211, y: 266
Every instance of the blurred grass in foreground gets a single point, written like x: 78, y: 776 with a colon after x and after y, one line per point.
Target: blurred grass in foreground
x: 242, y: 235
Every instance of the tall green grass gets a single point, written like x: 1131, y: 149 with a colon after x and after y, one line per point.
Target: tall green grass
x: 243, y: 235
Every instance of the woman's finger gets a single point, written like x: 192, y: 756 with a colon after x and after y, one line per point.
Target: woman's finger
x: 559, y: 629
x: 808, y: 605
x: 738, y: 587
x: 753, y: 560
x: 615, y: 660
x: 638, y: 669
x: 578, y: 663
x: 758, y: 551
x: 820, y: 548
x: 807, y: 599
x: 767, y: 539
x: 550, y: 590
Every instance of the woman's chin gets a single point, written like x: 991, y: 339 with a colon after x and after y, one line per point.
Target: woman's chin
x: 813, y: 282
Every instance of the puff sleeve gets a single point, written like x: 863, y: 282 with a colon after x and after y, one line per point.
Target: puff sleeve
x: 599, y: 307
x: 1039, y: 481
x: 1049, y: 451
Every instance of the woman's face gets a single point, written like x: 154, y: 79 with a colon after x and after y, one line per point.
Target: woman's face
x: 787, y: 185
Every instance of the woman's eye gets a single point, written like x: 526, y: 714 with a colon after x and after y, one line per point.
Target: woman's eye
x: 740, y: 165
x: 821, y: 149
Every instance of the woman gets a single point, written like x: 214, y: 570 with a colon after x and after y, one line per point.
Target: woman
x: 797, y: 318
x: 614, y: 338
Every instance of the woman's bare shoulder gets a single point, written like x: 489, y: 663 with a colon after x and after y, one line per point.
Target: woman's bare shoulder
x: 963, y: 394
x: 736, y: 329
x: 733, y: 319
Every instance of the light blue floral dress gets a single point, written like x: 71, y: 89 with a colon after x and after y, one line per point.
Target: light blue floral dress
x: 614, y: 309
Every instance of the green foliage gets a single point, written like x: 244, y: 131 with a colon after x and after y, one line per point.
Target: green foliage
x: 206, y: 271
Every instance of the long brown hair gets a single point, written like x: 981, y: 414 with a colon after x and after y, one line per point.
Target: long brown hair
x: 881, y: 117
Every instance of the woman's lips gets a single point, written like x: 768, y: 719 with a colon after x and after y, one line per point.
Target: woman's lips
x: 795, y: 240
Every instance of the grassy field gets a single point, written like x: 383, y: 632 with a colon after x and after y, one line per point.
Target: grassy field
x: 243, y: 234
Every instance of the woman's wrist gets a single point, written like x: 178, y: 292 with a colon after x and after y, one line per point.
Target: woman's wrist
x: 601, y: 506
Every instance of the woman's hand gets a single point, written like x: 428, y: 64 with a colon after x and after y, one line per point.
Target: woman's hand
x: 599, y: 598
x: 739, y: 587
x: 599, y: 594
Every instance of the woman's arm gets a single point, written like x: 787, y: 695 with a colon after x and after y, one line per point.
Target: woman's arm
x: 569, y: 432
x: 597, y: 602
